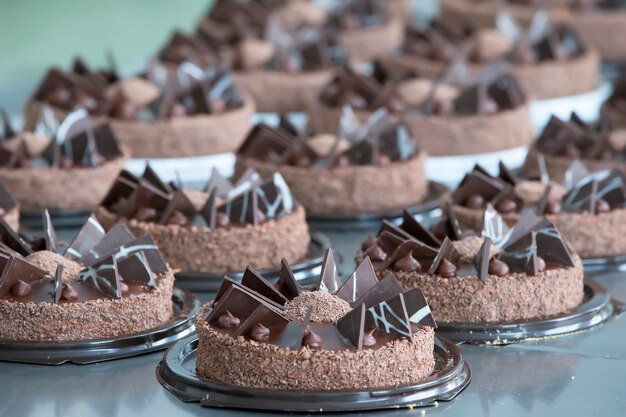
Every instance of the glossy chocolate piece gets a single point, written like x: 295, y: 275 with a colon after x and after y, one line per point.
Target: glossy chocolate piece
x: 103, y: 276
x: 329, y: 277
x: 361, y: 280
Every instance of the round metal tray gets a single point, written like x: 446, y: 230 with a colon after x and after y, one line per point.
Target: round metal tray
x: 594, y: 266
x: 305, y: 271
x: 60, y: 218
x: 427, y: 210
x: 186, y: 306
x: 176, y: 372
x: 596, y: 308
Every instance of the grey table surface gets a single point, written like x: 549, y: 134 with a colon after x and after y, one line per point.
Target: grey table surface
x: 575, y: 375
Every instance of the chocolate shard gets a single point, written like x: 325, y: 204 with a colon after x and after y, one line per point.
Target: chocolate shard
x: 292, y: 335
x: 527, y: 222
x: 103, y: 276
x: 240, y: 302
x: 208, y: 211
x: 49, y: 233
x: 389, y: 242
x: 384, y: 289
x: 480, y: 184
x: 506, y: 175
x: 153, y: 178
x: 125, y: 184
x: 481, y: 262
x: 575, y: 173
x: 118, y: 236
x: 274, y: 197
x: 178, y: 205
x: 506, y: 91
x: 422, y: 253
x: 606, y: 185
x: 550, y: 245
x: 521, y: 256
x: 419, y: 232
x: 12, y: 240
x: 418, y: 309
x: 7, y: 130
x: 227, y: 282
x: 89, y: 235
x: 15, y: 269
x: 58, y: 284
x: 363, y: 278
x: 266, y: 143
x: 7, y: 202
x: 218, y: 183
x: 287, y: 284
x: 447, y: 252
x: 329, y: 276
x: 146, y: 245
x: 242, y: 209
x: 352, y: 325
x: 449, y: 226
x: 494, y: 226
x: 135, y: 268
x: 390, y: 316
x: 263, y: 315
x: 255, y: 282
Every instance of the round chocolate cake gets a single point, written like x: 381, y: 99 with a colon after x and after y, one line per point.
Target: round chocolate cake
x: 39, y: 168
x: 368, y: 167
x: 490, y: 114
x: 587, y: 208
x: 222, y: 229
x: 500, y: 276
x: 364, y: 334
x: 100, y: 286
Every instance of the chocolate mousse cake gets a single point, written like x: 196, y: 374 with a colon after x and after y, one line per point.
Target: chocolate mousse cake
x: 222, y: 229
x: 369, y: 167
x: 548, y: 60
x: 362, y: 335
x: 501, y: 275
x: 186, y: 112
x: 102, y: 285
x: 597, y: 20
x: 60, y: 165
x: 588, y: 209
x: 597, y: 145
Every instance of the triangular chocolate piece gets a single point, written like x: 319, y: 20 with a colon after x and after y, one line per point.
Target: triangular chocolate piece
x: 89, y: 235
x: 239, y: 301
x: 148, y: 247
x: 58, y: 284
x: 207, y: 212
x: 180, y: 203
x: 135, y: 268
x: 418, y: 309
x: 415, y: 229
x: 506, y: 175
x: 17, y: 269
x: 118, y: 235
x: 551, y: 247
x: 352, y: 326
x: 390, y: 316
x: 575, y: 173
x: 521, y: 256
x: 49, y: 234
x: 291, y: 335
x: 274, y: 197
x: 227, y: 282
x: 384, y: 289
x: 11, y: 239
x: 363, y: 278
x: 480, y: 184
x: 252, y: 280
x: 542, y: 204
x: 123, y: 186
x: 103, y: 276
x: 218, y: 183
x: 287, y: 284
x: 446, y: 251
x: 242, y: 209
x: 329, y: 276
x: 494, y: 226
x: 263, y: 315
x: 481, y: 262
x: 153, y: 178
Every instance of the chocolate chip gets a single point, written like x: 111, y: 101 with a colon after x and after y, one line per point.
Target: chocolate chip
x: 146, y: 214
x: 69, y: 293
x: 312, y: 340
x: 228, y: 321
x: 506, y: 205
x: 602, y: 206
x: 446, y: 269
x: 407, y: 264
x: 541, y: 264
x: 20, y: 288
x: 376, y: 253
x: 178, y: 218
x: 553, y: 207
x: 259, y: 333
x: 367, y: 243
x: 475, y: 201
x: 368, y: 338
x: 221, y: 219
x: 498, y: 267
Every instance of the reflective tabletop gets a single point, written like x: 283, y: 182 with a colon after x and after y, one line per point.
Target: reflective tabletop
x: 575, y: 375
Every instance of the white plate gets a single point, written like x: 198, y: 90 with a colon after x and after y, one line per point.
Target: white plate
x: 449, y: 170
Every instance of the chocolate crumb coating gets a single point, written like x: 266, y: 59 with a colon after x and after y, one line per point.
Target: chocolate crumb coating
x: 326, y: 307
x: 48, y: 262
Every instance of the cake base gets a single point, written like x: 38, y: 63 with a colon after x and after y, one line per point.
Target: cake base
x: 226, y: 249
x: 365, y: 44
x: 350, y: 190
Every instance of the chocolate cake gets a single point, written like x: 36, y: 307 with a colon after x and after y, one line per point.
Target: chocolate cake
x: 597, y: 21
x: 100, y: 286
x: 62, y: 164
x: 489, y: 114
x: 365, y: 334
x: 548, y: 60
x: 224, y: 228
x: 183, y: 112
x: 587, y: 208
x: 368, y: 167
x: 597, y: 145
x: 500, y: 275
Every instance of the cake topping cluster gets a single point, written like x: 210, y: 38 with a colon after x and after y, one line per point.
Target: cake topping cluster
x: 377, y: 141
x: 530, y: 247
x: 251, y: 200
x: 376, y: 311
x: 74, y: 142
x: 95, y: 265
